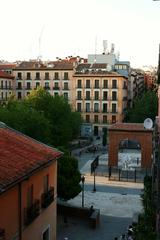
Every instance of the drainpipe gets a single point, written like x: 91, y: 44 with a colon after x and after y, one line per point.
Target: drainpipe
x: 20, y: 210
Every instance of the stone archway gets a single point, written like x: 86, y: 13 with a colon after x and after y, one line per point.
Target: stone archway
x: 119, y: 131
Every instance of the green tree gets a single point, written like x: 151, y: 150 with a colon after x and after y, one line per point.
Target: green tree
x: 27, y: 120
x: 65, y: 123
x: 145, y: 106
x: 68, y: 177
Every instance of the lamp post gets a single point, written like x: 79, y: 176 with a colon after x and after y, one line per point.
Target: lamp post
x: 94, y: 185
x: 82, y: 179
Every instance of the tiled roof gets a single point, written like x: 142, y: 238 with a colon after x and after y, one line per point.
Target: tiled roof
x: 5, y: 75
x: 34, y: 65
x: 7, y: 66
x: 20, y: 156
x: 128, y: 127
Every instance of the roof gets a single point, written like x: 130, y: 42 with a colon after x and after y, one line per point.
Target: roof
x: 35, y: 65
x: 5, y: 75
x: 6, y: 66
x: 21, y: 156
x: 128, y: 127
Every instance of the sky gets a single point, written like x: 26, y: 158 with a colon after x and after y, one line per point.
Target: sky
x: 61, y: 28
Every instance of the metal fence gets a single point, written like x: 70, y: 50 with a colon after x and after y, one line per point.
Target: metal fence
x: 119, y: 174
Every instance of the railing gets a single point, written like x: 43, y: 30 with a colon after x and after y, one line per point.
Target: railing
x: 47, y: 88
x: 32, y: 212
x: 2, y: 234
x: 47, y: 198
x: 55, y: 88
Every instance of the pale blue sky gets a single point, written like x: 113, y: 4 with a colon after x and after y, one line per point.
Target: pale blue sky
x: 70, y: 27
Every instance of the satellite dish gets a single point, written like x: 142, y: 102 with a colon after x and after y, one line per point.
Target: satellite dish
x: 148, y: 123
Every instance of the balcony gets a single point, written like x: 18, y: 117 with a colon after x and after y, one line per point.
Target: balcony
x: 2, y: 234
x: 37, y: 79
x: 66, y: 88
x: 19, y: 87
x: 46, y: 88
x: 55, y: 88
x: 79, y: 98
x: 32, y: 212
x: 114, y: 87
x: 28, y: 88
x: 105, y: 111
x: 79, y: 86
x: 114, y: 99
x: 47, y: 198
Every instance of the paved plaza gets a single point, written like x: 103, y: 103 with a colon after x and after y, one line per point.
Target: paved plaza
x: 118, y: 202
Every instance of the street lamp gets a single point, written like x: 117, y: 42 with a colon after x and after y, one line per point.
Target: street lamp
x: 94, y: 170
x: 82, y: 179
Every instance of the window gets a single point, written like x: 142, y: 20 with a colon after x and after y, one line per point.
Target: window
x: 46, y: 85
x: 114, y: 119
x: 66, y: 86
x: 28, y: 85
x: 87, y: 107
x: 30, y: 196
x: 1, y: 84
x: 56, y: 94
x: 96, y: 83
x: 96, y: 118
x: 56, y: 86
x: 37, y: 84
x: 56, y: 75
x: 65, y: 95
x: 79, y: 107
x: 46, y: 183
x: 114, y: 83
x: 79, y: 83
x: 114, y: 96
x: 19, y: 75
x: 2, y: 95
x: 19, y: 85
x: 28, y: 93
x: 10, y: 85
x: 79, y: 95
x: 46, y: 235
x: 105, y: 84
x: 47, y: 75
x: 37, y: 75
x: 6, y: 84
x: 96, y: 107
x: 105, y: 95
x: 88, y: 95
x: 87, y: 83
x: 6, y: 95
x: 65, y: 75
x: 87, y: 118
x: 124, y: 85
x: 104, y: 119
x: 105, y: 107
x: 114, y: 106
x: 19, y: 95
x: 96, y: 95
x: 28, y: 75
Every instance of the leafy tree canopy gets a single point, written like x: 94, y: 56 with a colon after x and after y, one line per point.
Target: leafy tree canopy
x: 145, y: 106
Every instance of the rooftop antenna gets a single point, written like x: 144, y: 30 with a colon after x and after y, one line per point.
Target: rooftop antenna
x: 95, y: 49
x: 39, y: 43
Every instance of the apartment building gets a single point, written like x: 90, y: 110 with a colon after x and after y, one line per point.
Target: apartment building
x: 28, y: 187
x: 6, y: 86
x: 55, y: 77
x: 100, y: 95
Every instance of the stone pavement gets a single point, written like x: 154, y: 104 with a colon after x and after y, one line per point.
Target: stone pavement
x: 117, y: 208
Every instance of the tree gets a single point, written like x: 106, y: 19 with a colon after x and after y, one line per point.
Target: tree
x: 68, y: 177
x: 145, y: 106
x: 27, y: 120
x: 65, y: 123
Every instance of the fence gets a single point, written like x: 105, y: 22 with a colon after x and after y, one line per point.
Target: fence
x: 119, y: 174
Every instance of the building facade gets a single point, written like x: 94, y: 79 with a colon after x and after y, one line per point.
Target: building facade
x: 28, y: 187
x: 6, y: 87
x: 100, y: 96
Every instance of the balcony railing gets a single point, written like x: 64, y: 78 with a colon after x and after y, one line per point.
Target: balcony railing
x: 47, y: 198
x: 46, y: 88
x: 32, y: 212
x: 55, y: 88
x: 2, y: 234
x: 114, y: 98
x: 79, y: 86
